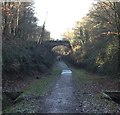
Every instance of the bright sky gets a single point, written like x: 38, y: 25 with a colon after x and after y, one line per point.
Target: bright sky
x: 61, y: 14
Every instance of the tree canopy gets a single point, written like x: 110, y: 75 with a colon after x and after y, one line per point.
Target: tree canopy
x: 19, y: 22
x: 96, y: 38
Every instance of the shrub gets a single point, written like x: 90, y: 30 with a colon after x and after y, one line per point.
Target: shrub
x: 26, y: 56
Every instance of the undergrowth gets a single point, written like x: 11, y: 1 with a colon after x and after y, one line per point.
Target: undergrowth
x: 25, y: 57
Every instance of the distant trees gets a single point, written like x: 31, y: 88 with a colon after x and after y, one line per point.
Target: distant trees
x: 95, y: 38
x: 19, y: 22
x: 10, y: 17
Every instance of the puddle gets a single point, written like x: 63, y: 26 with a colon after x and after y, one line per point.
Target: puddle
x: 66, y: 72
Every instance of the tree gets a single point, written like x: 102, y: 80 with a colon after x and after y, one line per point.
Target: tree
x: 18, y: 20
x: 27, y: 23
x: 97, y: 33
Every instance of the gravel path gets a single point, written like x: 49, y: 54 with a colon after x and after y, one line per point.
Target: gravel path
x: 62, y: 99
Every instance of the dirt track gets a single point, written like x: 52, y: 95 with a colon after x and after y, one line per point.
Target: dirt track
x: 62, y: 99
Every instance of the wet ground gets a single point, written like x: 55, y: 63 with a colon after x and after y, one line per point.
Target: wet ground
x: 85, y: 98
x: 74, y: 91
x: 62, y: 99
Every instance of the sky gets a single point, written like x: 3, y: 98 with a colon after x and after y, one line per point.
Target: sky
x: 60, y: 15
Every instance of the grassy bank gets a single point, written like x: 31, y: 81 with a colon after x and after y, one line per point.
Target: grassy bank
x: 82, y: 76
x: 90, y: 68
x: 89, y: 90
x: 27, y: 101
x: 42, y: 86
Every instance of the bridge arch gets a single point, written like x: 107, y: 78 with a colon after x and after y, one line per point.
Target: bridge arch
x: 52, y: 43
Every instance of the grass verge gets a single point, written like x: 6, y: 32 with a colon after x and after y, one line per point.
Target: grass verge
x: 33, y: 94
x: 82, y: 75
x: 89, y: 91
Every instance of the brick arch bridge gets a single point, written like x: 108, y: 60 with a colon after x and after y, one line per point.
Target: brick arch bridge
x: 53, y: 43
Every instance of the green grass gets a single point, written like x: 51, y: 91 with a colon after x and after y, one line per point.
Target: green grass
x: 84, y: 75
x: 39, y: 88
x: 42, y: 86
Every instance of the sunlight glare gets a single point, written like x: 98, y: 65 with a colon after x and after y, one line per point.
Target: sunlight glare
x: 62, y: 14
